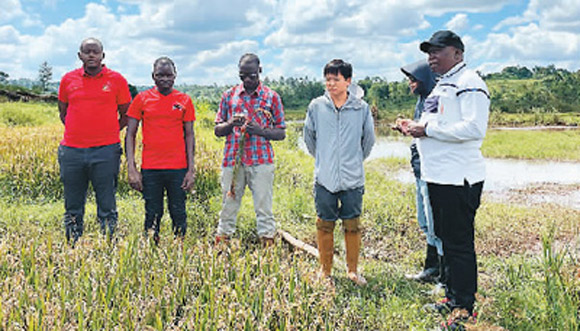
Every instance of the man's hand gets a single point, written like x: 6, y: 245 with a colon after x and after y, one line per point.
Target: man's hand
x: 135, y: 180
x: 237, y: 120
x: 416, y: 130
x: 255, y: 129
x: 225, y: 128
x: 188, y: 180
x: 401, y: 125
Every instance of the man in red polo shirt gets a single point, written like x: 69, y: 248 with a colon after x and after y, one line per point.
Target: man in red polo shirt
x: 168, y: 148
x: 92, y: 101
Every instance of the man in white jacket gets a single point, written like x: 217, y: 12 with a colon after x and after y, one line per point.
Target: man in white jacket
x: 450, y: 132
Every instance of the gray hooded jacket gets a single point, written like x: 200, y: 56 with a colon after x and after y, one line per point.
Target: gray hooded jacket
x: 339, y: 140
x: 420, y: 71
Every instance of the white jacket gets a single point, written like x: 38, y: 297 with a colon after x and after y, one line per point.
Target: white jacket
x: 456, y: 115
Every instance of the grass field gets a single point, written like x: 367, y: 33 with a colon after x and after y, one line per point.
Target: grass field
x: 528, y: 257
x: 543, y: 145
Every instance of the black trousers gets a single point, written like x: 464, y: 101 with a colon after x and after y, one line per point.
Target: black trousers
x: 454, y: 209
x: 155, y: 183
x: 79, y: 166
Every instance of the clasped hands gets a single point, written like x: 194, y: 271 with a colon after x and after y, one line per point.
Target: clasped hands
x: 409, y: 127
x: 251, y: 127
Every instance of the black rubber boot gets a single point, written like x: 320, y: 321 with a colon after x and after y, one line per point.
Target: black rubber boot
x: 430, y: 273
x: 431, y: 258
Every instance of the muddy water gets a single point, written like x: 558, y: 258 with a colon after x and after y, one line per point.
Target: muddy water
x: 524, y: 181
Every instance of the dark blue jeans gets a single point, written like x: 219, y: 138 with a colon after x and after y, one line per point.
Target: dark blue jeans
x: 100, y: 166
x: 328, y: 207
x: 155, y: 183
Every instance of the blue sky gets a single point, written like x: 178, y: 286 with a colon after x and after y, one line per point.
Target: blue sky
x: 292, y: 37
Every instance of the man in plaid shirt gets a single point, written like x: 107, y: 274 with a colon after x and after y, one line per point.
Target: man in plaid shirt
x: 250, y: 115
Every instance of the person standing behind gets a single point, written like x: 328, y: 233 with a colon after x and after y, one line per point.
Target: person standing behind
x: 339, y: 134
x: 249, y: 116
x: 451, y: 133
x: 92, y: 102
x: 421, y: 83
x: 168, y: 148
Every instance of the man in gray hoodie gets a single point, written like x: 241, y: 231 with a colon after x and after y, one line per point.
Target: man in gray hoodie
x: 421, y: 83
x: 339, y: 133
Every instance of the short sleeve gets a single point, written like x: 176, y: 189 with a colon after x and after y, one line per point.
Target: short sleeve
x: 222, y: 113
x: 278, y: 111
x: 189, y: 114
x: 63, y: 89
x: 136, y: 108
x: 123, y: 93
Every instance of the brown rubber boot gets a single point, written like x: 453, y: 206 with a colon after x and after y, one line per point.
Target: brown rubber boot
x: 267, y: 242
x: 352, y: 239
x: 325, y: 236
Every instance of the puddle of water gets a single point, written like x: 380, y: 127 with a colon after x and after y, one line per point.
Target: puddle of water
x: 502, y: 175
x: 512, y: 174
x: 538, y: 128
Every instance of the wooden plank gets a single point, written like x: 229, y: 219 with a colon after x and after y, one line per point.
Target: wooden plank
x: 299, y: 243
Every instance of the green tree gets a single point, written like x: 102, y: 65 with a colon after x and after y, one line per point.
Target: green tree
x: 3, y: 77
x: 44, y: 75
x: 133, y: 90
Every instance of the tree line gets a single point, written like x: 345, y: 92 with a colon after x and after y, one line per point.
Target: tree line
x: 515, y: 89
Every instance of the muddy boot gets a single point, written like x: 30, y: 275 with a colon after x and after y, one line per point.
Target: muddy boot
x: 325, y: 237
x: 430, y: 273
x: 267, y: 242
x: 352, y: 239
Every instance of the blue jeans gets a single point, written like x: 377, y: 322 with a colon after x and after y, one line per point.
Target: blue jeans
x: 425, y: 216
x: 100, y: 166
x: 155, y: 183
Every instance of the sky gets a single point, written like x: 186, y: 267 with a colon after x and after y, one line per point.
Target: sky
x: 294, y: 38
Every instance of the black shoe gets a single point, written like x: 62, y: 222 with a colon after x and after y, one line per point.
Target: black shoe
x: 430, y: 275
x: 431, y: 257
x: 458, y: 319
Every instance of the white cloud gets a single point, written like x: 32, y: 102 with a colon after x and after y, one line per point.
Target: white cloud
x: 8, y: 34
x: 531, y: 44
x: 559, y: 15
x: 440, y: 7
x: 545, y: 33
x: 292, y: 37
x: 11, y: 9
x: 458, y: 23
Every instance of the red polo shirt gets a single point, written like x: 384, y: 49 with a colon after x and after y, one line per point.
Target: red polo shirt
x: 163, y: 134
x: 92, y: 117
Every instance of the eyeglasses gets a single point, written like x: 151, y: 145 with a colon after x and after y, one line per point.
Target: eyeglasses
x: 252, y: 76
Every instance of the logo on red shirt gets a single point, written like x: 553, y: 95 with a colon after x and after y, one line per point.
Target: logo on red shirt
x: 106, y: 87
x: 177, y: 106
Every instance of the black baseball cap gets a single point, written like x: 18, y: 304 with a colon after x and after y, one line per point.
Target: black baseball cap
x: 442, y: 39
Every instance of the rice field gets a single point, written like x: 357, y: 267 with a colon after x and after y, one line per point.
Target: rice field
x: 528, y: 257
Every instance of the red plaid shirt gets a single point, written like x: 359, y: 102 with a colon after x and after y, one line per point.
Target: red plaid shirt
x: 257, y: 149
